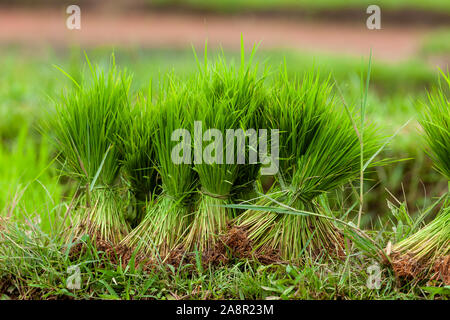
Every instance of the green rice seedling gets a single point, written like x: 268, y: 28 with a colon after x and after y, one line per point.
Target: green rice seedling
x: 139, y: 155
x: 167, y: 218
x: 244, y: 187
x: 84, y: 128
x: 436, y: 125
x: 426, y: 254
x: 227, y: 97
x: 319, y: 152
x: 254, y: 104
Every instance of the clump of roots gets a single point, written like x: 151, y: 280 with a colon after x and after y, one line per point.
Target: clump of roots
x: 162, y: 229
x: 238, y: 241
x: 101, y: 217
x: 290, y: 236
x: 219, y: 255
x: 408, y: 267
x: 114, y: 254
x: 209, y: 223
x: 425, y: 254
x: 233, y: 244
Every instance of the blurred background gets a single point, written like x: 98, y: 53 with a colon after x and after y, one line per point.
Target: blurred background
x: 150, y: 37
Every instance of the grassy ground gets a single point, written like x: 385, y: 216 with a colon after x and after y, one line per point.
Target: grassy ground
x: 40, y: 268
x: 35, y: 199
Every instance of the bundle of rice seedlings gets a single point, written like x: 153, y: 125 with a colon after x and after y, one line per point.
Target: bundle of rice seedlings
x: 227, y: 99
x: 244, y: 188
x: 84, y: 128
x: 139, y: 155
x: 254, y: 105
x: 167, y: 217
x: 436, y: 125
x: 426, y: 254
x: 319, y: 151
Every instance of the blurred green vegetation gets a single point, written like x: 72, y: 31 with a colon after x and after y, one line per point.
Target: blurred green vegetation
x: 266, y: 5
x: 437, y: 42
x: 310, y: 5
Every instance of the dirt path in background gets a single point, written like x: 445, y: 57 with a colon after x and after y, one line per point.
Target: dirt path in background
x: 151, y: 30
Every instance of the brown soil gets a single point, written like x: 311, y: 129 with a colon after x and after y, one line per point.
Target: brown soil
x: 116, y: 254
x: 241, y: 247
x: 8, y: 288
x: 233, y: 245
x: 42, y: 27
x: 100, y: 245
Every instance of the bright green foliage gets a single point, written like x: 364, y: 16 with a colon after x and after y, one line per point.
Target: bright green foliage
x: 174, y: 106
x: 139, y: 156
x: 422, y: 254
x: 226, y: 97
x: 86, y: 124
x: 29, y: 183
x: 139, y: 164
x: 84, y: 128
x: 419, y: 245
x: 167, y: 220
x: 319, y: 152
x: 34, y: 198
x: 436, y: 124
x: 226, y: 6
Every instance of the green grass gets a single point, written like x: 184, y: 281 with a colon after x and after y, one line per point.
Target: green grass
x: 35, y: 266
x: 30, y: 185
